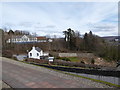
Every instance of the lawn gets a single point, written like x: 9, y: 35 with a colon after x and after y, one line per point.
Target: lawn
x: 74, y: 59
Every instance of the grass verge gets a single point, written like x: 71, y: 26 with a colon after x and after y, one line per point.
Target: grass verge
x: 104, y: 82
x: 99, y: 81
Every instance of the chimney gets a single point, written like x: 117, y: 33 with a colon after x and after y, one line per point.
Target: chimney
x: 33, y: 47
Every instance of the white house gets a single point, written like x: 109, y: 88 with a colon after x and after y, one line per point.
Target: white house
x: 27, y: 39
x: 22, y: 39
x: 37, y: 53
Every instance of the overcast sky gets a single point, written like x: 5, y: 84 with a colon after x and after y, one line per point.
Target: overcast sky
x: 52, y: 18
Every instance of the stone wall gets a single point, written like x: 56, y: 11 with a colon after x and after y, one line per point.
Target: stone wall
x: 82, y: 55
x: 67, y: 54
x: 86, y: 55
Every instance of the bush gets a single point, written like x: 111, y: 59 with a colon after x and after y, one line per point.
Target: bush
x: 57, y: 58
x: 66, y: 59
x: 7, y: 54
x: 15, y: 58
x: 92, y: 61
x: 63, y: 58
x: 82, y: 62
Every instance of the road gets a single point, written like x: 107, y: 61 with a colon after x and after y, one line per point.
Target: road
x: 21, y: 75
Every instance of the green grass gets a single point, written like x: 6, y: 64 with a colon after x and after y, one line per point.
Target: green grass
x: 74, y: 59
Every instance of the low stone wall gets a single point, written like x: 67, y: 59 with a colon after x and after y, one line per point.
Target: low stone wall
x: 67, y: 54
x: 82, y: 55
x: 86, y: 55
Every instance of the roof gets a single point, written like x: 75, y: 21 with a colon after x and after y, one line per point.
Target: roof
x: 38, y: 49
x: 41, y: 38
x: 20, y: 36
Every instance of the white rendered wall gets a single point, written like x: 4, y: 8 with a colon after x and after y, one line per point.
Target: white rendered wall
x: 34, y: 54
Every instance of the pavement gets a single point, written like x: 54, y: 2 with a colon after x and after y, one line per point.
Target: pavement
x: 22, y: 75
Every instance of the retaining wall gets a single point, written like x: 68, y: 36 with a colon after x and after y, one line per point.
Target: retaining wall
x: 83, y: 55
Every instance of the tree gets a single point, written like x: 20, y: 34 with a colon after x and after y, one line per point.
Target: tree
x: 11, y: 32
x: 78, y: 41
x: 66, y: 35
x: 69, y: 38
x: 91, y: 42
x: 20, y: 32
x: 86, y: 41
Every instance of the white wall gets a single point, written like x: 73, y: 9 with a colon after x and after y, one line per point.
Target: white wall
x: 41, y: 53
x: 34, y: 54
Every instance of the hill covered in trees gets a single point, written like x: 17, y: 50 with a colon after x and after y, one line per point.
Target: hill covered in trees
x: 91, y: 43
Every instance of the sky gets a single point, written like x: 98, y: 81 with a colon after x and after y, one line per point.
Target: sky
x: 52, y: 18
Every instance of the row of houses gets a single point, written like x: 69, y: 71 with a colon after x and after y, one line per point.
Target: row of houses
x: 28, y: 39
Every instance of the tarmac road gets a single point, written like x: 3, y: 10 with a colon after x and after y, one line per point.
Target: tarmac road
x: 21, y: 75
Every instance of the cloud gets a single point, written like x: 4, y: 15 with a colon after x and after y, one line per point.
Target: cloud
x: 50, y: 26
x: 55, y: 17
x: 26, y: 24
x: 103, y: 27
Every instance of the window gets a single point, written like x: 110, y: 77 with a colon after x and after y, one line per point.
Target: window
x: 37, y: 54
x: 30, y: 54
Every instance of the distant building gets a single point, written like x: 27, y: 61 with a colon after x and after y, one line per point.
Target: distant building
x: 27, y: 39
x: 112, y: 38
x: 37, y: 53
x: 41, y: 39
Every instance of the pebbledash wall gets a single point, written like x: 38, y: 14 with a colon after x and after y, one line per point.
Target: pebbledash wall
x: 76, y: 55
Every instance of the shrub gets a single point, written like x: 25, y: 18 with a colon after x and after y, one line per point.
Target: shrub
x: 15, y: 58
x: 66, y: 59
x: 57, y: 58
x: 92, y: 61
x: 7, y: 53
x: 82, y: 62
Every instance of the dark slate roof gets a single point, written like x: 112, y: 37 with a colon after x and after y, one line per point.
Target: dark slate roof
x: 38, y: 49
